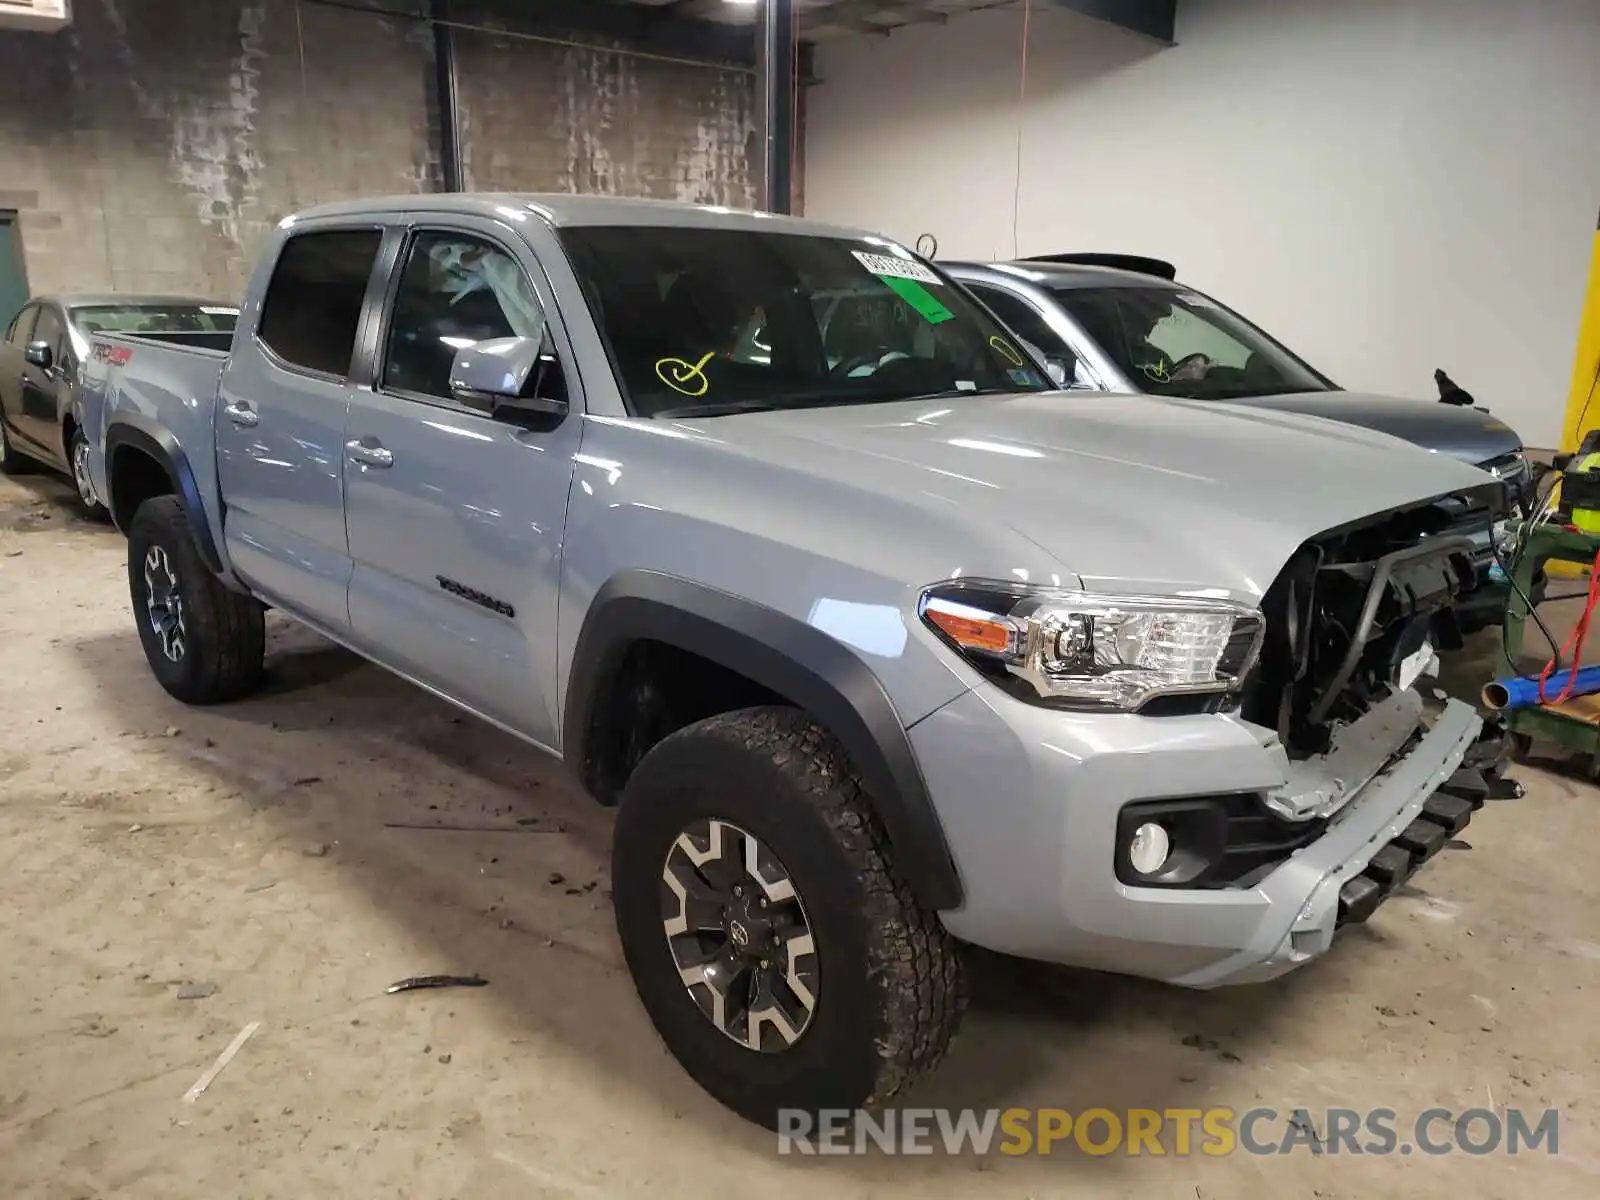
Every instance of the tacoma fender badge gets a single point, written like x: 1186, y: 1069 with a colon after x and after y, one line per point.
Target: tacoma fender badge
x: 476, y: 597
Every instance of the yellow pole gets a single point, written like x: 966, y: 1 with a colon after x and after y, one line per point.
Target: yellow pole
x: 1583, y: 404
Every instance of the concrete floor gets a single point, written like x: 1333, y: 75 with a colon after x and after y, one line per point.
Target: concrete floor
x: 144, y: 847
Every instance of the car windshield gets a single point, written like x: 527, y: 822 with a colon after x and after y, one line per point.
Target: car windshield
x: 707, y: 322
x: 154, y: 318
x: 1172, y: 342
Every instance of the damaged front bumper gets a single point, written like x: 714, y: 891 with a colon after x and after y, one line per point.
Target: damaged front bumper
x: 1031, y: 798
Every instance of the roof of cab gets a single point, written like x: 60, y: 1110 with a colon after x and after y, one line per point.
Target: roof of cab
x: 567, y: 211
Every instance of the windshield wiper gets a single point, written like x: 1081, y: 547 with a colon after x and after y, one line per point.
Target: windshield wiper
x: 955, y: 393
x: 719, y: 410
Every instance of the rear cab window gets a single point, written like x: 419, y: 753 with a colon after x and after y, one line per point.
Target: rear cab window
x: 314, y: 300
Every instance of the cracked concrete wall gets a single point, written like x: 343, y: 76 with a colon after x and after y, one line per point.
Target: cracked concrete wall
x: 542, y: 117
x: 152, y: 144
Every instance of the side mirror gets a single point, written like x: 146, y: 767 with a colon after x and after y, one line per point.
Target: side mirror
x: 1060, y: 374
x: 39, y: 354
x: 502, y: 376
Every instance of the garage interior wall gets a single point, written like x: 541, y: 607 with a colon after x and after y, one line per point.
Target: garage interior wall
x: 1387, y: 186
x: 152, y: 144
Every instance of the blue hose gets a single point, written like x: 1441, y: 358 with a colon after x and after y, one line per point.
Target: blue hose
x: 1523, y: 691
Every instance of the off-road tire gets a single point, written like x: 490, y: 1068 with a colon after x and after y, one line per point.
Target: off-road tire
x: 91, y: 510
x: 889, y: 993
x: 11, y: 461
x: 225, y: 632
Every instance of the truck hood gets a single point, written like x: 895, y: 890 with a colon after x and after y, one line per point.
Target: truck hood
x: 1470, y: 434
x: 1127, y: 493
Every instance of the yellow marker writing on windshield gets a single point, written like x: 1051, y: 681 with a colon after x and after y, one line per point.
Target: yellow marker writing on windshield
x: 1007, y: 351
x: 681, y: 375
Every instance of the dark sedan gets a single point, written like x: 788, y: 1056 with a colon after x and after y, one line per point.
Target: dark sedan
x: 43, y: 353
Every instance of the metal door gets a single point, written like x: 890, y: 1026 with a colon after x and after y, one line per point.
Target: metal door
x: 455, y: 518
x: 280, y: 428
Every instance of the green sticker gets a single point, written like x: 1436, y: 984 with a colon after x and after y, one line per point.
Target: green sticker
x: 920, y: 298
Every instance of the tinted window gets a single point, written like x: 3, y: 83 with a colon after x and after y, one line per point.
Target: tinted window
x: 154, y: 318
x: 456, y: 290
x: 23, y: 326
x: 1174, y: 343
x: 1024, y: 320
x: 48, y: 330
x: 714, y: 321
x: 314, y: 300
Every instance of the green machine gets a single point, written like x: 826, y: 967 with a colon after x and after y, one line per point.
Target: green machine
x: 1570, y: 536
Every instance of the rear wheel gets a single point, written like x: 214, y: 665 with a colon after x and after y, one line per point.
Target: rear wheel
x: 781, y: 959
x: 204, y: 642
x: 78, y: 455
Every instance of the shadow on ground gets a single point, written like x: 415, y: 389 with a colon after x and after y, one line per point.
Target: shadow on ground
x: 338, y: 750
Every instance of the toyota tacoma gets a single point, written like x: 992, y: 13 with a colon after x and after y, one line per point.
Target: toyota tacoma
x: 880, y: 643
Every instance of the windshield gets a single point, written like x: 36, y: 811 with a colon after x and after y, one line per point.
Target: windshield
x: 706, y: 322
x: 154, y: 318
x: 1171, y: 342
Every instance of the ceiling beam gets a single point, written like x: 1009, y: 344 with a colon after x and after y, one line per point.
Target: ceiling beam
x: 1154, y: 19
x: 855, y: 14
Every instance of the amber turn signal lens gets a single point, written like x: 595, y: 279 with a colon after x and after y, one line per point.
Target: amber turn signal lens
x: 973, y: 634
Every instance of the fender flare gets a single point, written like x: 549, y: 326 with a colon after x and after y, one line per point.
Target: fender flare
x: 160, y: 445
x: 788, y: 657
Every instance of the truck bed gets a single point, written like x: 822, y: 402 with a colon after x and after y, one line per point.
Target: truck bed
x: 163, y: 381
x: 205, y: 341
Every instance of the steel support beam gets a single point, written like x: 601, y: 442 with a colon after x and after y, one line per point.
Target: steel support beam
x: 777, y: 87
x: 446, y: 96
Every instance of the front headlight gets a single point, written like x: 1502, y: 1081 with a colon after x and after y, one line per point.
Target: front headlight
x: 1096, y: 652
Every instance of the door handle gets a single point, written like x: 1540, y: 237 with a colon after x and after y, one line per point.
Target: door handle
x: 368, y: 455
x: 241, y: 413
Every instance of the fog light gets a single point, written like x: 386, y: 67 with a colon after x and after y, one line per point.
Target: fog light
x: 1148, y: 851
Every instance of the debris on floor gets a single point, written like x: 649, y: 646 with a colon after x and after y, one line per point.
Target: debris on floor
x: 223, y: 1059
x: 420, y: 982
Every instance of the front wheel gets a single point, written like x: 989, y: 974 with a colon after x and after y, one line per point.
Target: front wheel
x: 779, y: 955
x: 205, y: 643
x: 82, y: 480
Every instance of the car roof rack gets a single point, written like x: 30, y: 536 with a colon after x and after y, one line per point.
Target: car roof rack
x: 1137, y: 263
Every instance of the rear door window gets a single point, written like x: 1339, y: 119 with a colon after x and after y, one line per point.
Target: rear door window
x: 313, y: 305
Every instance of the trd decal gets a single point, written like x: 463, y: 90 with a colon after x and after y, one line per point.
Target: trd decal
x: 117, y: 356
x: 477, y: 597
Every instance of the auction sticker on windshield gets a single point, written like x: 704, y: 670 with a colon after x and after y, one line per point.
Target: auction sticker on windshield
x: 906, y: 279
x: 887, y: 266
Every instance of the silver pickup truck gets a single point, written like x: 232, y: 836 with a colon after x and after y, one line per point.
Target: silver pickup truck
x: 880, y: 643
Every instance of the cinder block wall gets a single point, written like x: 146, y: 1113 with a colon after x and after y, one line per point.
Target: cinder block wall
x: 150, y: 146
x: 543, y: 117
